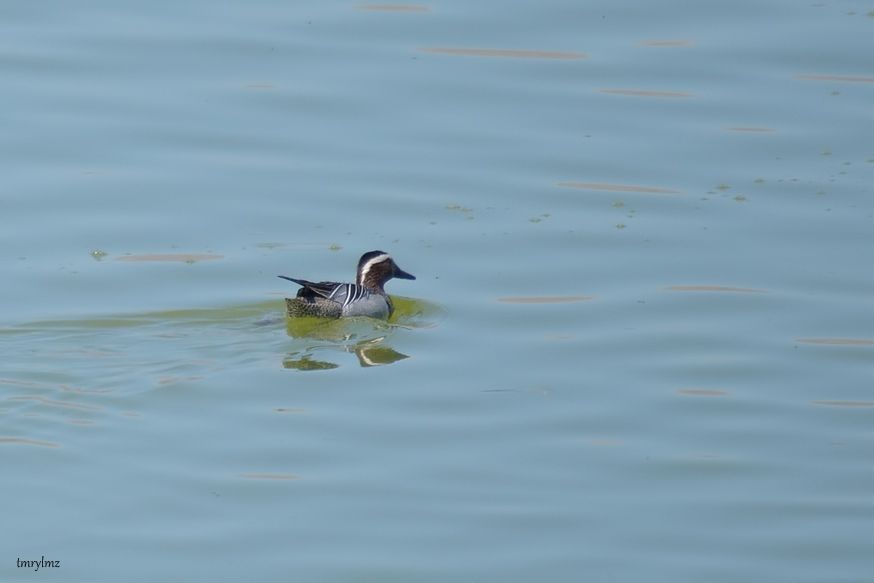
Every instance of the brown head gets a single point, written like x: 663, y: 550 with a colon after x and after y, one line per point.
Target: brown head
x: 377, y: 267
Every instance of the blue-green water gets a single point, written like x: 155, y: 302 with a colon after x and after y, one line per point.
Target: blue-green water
x: 641, y: 341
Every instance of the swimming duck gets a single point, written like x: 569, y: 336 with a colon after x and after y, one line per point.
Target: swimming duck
x: 365, y: 297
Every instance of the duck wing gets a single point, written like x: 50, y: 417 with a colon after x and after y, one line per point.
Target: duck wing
x: 329, y: 290
x: 322, y: 289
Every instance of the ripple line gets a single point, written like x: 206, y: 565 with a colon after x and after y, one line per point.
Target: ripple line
x: 837, y: 341
x: 752, y: 130
x: 851, y: 404
x: 716, y: 288
x: 666, y: 43
x: 171, y: 257
x: 842, y: 78
x: 544, y: 299
x: 28, y: 441
x: 393, y: 7
x: 702, y: 392
x: 647, y: 93
x: 261, y: 476
x: 616, y: 187
x: 55, y: 403
x: 505, y: 53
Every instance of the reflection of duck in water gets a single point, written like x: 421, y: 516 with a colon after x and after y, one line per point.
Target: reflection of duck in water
x: 369, y: 352
x: 365, y: 297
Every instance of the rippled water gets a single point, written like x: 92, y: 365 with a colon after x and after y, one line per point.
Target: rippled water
x: 639, y: 347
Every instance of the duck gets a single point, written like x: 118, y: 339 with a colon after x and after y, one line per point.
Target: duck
x: 365, y: 297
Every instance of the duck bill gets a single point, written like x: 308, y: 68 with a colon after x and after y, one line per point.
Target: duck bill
x: 401, y: 274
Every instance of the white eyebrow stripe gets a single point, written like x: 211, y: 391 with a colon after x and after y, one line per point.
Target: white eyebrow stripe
x: 371, y: 262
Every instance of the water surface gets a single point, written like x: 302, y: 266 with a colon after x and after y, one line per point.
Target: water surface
x: 639, y: 345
